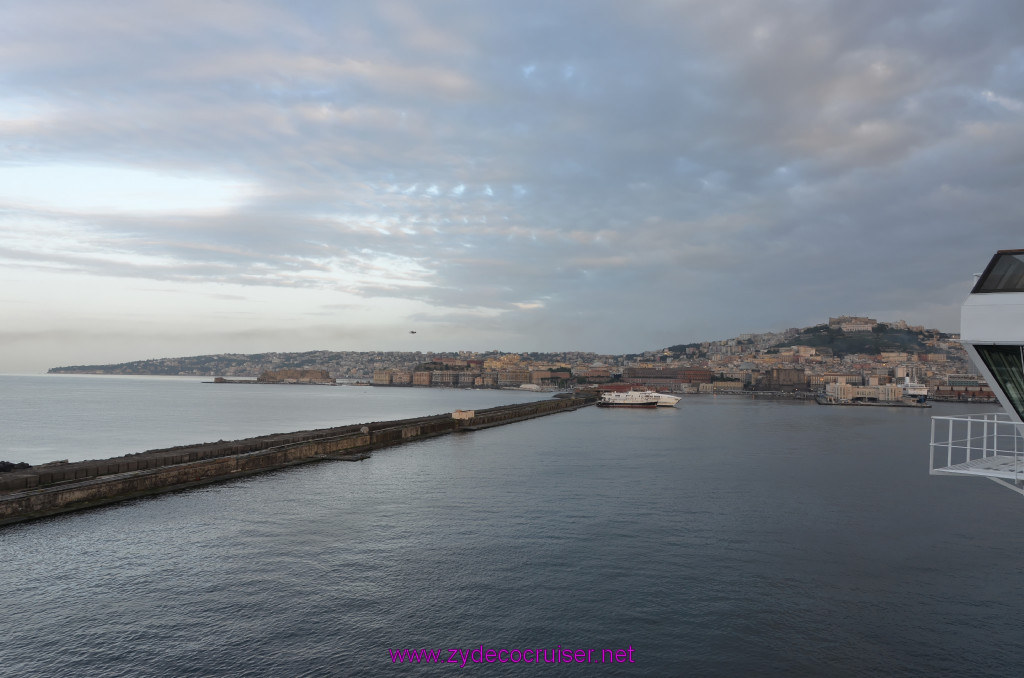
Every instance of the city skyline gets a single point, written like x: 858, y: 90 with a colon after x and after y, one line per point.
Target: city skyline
x: 182, y: 178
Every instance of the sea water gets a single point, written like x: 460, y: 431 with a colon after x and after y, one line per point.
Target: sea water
x: 726, y: 537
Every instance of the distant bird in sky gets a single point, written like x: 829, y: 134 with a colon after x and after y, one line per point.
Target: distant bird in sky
x: 412, y: 331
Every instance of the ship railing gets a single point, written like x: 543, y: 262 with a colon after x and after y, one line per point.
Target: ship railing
x: 987, y: 444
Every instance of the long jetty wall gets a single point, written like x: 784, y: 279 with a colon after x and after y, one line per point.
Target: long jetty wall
x: 60, y: 487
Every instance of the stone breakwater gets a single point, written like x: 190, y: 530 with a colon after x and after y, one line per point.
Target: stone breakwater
x: 60, y: 487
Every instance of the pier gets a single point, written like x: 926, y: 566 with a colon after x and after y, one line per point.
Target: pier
x: 59, y: 487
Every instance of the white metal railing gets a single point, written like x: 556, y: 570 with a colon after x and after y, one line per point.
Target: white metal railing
x: 970, y: 439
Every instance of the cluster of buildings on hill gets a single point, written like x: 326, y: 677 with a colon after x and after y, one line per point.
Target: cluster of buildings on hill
x: 747, y: 363
x: 870, y: 377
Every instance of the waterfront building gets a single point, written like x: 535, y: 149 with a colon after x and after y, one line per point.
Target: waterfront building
x: 783, y: 379
x: 540, y: 377
x: 513, y: 377
x: 716, y: 386
x: 820, y: 380
x: 742, y: 376
x: 486, y: 380
x: 964, y: 380
x: 444, y: 377
x: 849, y: 393
x: 296, y: 376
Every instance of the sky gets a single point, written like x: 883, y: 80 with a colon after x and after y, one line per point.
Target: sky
x: 182, y: 178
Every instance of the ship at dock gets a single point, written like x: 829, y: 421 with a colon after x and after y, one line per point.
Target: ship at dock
x: 913, y: 391
x: 667, y: 400
x: 637, y: 399
x: 629, y: 399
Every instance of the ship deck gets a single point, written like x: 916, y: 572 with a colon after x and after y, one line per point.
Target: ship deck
x: 987, y: 445
x: 1010, y: 467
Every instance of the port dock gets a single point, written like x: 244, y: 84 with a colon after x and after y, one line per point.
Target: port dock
x: 59, y: 487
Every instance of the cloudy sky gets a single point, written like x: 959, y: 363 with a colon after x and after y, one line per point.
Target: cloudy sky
x: 179, y: 177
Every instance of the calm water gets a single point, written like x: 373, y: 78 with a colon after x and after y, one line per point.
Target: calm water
x: 76, y: 417
x: 729, y: 537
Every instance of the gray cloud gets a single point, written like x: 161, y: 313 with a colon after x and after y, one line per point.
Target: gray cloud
x: 620, y: 175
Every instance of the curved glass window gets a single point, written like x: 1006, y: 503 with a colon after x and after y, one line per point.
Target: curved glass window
x: 1006, y: 363
x: 1005, y: 273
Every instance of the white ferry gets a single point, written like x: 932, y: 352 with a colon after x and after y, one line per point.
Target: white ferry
x: 992, y: 332
x: 913, y: 390
x: 666, y: 400
x: 629, y: 399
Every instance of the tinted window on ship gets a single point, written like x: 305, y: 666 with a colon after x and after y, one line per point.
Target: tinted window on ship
x: 1006, y: 363
x: 1005, y: 273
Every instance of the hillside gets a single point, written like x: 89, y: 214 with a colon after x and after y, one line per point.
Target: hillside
x: 339, y: 364
x: 882, y: 338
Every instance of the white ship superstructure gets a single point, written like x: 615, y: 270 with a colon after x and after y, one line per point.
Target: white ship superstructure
x: 992, y: 332
x: 629, y: 399
x: 913, y: 390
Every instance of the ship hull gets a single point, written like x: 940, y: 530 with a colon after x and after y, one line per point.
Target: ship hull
x: 649, y: 405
